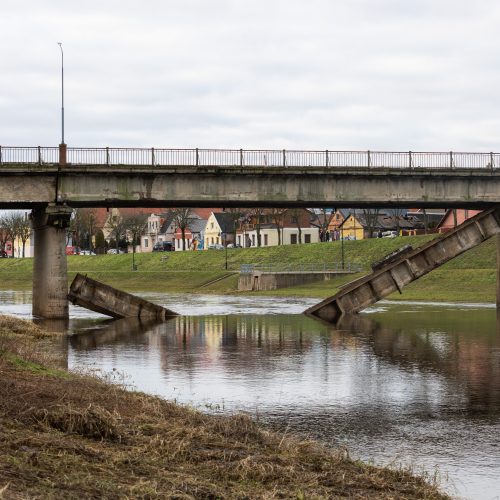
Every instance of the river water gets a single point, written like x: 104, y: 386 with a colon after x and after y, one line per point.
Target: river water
x: 403, y: 383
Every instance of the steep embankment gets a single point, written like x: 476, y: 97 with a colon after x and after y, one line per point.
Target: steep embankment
x: 470, y: 277
x: 63, y: 435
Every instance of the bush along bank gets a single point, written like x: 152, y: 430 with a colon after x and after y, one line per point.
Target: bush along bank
x: 64, y: 435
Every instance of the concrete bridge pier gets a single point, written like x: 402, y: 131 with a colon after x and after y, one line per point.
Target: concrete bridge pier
x: 50, y: 272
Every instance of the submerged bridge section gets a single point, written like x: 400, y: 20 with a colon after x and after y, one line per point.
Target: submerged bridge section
x: 105, y: 177
x: 410, y: 265
x: 105, y: 299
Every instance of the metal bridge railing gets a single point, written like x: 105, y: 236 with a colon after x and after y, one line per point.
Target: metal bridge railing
x: 32, y: 155
x: 300, y: 268
x: 156, y: 157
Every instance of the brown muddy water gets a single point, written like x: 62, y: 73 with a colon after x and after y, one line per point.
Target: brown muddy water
x: 403, y: 383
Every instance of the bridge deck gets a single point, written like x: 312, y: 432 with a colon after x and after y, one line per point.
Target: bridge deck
x: 106, y: 177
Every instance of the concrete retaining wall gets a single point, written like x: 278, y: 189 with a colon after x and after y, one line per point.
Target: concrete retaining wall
x: 259, y: 281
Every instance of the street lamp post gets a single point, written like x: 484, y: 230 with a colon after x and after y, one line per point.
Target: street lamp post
x: 62, y: 92
x: 342, y: 245
x: 224, y: 236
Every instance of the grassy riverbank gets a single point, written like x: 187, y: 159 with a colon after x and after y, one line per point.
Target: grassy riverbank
x: 471, y: 277
x: 65, y: 435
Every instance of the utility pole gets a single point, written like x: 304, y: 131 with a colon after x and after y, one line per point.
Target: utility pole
x: 62, y: 92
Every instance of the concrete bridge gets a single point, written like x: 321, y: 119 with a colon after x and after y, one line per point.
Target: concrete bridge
x: 53, y: 180
x: 105, y: 177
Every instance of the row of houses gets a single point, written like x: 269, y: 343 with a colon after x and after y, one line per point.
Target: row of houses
x: 215, y: 228
x: 228, y: 229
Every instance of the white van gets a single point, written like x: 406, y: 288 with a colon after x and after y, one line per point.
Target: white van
x: 389, y: 234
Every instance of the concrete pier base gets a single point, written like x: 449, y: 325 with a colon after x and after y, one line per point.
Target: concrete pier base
x: 50, y: 272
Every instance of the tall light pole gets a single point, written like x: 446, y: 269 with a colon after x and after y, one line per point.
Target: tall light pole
x: 62, y: 92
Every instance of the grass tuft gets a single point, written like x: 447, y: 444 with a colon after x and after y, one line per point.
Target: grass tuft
x: 92, y: 422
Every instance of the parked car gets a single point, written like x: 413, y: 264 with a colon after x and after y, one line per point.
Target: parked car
x: 235, y: 245
x: 389, y: 234
x: 3, y: 254
x: 163, y: 246
x: 217, y: 246
x: 86, y: 252
x: 72, y: 250
x: 112, y: 251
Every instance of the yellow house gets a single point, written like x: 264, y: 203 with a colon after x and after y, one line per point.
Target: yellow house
x: 352, y: 229
x: 219, y: 229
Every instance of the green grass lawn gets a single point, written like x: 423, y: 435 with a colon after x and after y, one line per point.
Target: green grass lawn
x: 470, y: 277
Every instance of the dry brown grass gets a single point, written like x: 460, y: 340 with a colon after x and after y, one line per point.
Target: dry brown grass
x: 80, y: 437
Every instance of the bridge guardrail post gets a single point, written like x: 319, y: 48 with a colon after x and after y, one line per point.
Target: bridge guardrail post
x: 197, y: 157
x: 369, y: 159
x: 0, y: 155
x: 491, y: 158
x: 39, y: 155
x: 152, y: 157
x: 241, y: 157
x: 284, y: 158
x: 326, y: 159
x: 107, y: 156
x: 451, y: 160
x: 409, y: 159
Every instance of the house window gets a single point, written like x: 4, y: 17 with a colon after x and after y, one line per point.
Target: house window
x: 145, y: 243
x: 293, y: 239
x: 239, y: 240
x: 265, y: 240
x: 294, y: 219
x: 253, y: 240
x: 212, y: 240
x: 307, y: 238
x: 212, y: 226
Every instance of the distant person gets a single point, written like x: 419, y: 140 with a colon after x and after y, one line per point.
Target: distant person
x: 327, y: 235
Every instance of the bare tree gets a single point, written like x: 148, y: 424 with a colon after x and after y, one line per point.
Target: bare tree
x: 295, y: 213
x: 398, y: 214
x: 83, y: 227
x: 278, y: 215
x: 256, y: 214
x: 182, y: 217
x: 236, y: 216
x: 325, y: 219
x: 21, y: 228
x: 135, y: 227
x: 116, y: 227
x: 371, y: 218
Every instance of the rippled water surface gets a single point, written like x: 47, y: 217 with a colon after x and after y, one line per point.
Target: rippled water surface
x: 407, y: 383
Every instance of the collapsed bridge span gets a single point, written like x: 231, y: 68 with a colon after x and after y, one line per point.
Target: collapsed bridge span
x: 409, y: 265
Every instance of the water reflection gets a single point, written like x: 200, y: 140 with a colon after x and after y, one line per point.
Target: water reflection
x: 109, y: 332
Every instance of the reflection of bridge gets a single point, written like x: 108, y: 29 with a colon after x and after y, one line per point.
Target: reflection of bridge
x: 53, y: 180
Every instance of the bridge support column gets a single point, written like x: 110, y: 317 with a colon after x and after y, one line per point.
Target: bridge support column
x: 50, y: 272
x: 498, y: 272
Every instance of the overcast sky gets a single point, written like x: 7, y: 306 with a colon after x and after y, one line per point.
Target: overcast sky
x: 309, y: 74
